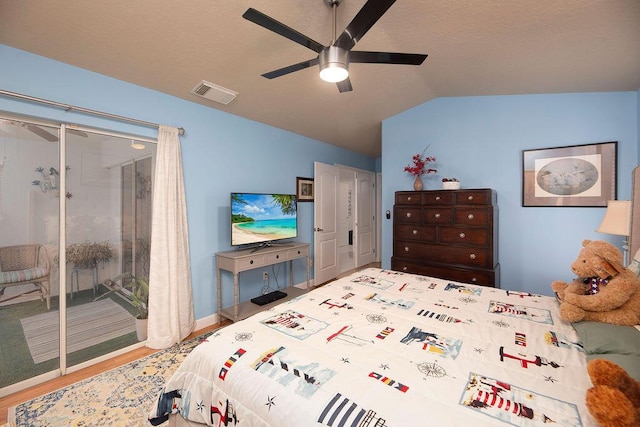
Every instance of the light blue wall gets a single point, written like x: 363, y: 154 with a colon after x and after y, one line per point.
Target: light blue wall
x: 221, y: 153
x: 479, y: 140
x: 638, y: 131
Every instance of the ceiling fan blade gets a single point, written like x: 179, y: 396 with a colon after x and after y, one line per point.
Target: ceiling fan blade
x: 42, y: 133
x: 362, y: 22
x: 78, y: 132
x: 386, y: 58
x: 345, y: 85
x: 279, y: 28
x: 291, y: 68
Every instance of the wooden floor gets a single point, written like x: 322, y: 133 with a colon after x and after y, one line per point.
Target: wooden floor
x: 57, y: 383
x: 96, y: 369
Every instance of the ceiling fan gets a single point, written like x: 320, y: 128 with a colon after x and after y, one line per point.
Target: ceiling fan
x: 41, y: 131
x: 334, y: 59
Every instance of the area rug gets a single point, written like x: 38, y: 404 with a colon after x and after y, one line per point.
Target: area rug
x: 87, y: 325
x: 120, y: 397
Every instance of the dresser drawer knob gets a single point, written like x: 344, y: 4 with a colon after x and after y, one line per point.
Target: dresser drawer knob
x: 437, y: 215
x: 470, y: 198
x: 415, y: 232
x: 437, y: 197
x: 409, y: 199
x: 472, y: 256
x: 251, y: 262
x: 475, y: 279
x: 470, y: 216
x: 408, y: 214
x: 404, y: 268
x: 462, y: 235
x: 277, y: 256
x: 406, y: 248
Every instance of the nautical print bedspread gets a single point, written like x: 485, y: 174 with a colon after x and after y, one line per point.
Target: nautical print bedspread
x: 384, y: 348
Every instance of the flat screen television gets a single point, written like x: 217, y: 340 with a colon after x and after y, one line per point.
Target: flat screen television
x: 258, y: 219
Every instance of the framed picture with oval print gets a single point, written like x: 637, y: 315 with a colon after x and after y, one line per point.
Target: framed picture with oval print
x: 575, y: 175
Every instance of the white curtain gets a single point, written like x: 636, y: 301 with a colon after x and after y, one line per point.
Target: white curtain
x: 171, y: 316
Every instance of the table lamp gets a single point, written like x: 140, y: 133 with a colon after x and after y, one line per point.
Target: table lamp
x: 617, y: 220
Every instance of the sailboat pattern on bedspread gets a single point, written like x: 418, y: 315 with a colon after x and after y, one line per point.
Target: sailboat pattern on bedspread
x: 383, y: 348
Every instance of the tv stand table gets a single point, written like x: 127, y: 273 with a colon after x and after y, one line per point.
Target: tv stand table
x: 248, y: 259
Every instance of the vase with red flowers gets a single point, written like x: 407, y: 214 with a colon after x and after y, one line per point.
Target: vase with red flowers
x: 420, y: 166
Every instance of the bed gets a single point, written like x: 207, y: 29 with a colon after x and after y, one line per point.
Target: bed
x: 385, y: 348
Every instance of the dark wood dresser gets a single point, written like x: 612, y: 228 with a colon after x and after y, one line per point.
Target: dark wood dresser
x: 450, y: 234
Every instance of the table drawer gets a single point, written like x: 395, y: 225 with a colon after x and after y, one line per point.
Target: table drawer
x: 415, y: 232
x: 250, y: 262
x: 464, y: 236
x: 295, y: 253
x: 276, y: 257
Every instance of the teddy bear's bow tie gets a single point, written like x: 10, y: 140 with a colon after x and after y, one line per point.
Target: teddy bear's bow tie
x: 595, y: 283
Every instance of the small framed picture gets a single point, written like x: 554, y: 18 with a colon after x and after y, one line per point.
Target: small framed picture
x: 576, y: 175
x: 304, y: 189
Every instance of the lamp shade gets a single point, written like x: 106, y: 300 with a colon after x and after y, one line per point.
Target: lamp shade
x: 617, y: 218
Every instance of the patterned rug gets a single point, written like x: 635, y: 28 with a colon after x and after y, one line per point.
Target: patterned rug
x: 120, y: 397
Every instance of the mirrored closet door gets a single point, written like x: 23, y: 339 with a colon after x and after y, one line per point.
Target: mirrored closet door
x: 102, y: 183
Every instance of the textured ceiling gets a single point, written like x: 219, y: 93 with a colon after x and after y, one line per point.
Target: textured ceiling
x: 475, y: 47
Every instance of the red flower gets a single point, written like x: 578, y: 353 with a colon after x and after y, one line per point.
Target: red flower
x: 420, y: 162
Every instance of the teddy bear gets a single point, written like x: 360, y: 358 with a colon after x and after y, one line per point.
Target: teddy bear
x: 604, y: 290
x: 614, y: 399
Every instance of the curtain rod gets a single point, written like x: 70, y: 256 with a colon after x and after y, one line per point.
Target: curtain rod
x: 68, y: 108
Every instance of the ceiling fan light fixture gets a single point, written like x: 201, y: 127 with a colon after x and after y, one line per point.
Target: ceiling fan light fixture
x: 334, y: 64
x: 137, y: 145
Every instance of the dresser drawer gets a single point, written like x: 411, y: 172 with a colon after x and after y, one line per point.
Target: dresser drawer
x: 475, y: 217
x: 464, y: 236
x: 435, y: 215
x: 415, y: 232
x: 459, y: 274
x: 446, y: 254
x: 408, y: 198
x: 405, y: 215
x: 444, y: 197
x: 474, y: 197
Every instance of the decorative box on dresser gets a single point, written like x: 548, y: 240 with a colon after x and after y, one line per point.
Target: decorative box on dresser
x: 450, y: 234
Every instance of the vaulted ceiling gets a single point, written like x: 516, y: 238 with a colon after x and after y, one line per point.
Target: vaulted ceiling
x: 475, y: 47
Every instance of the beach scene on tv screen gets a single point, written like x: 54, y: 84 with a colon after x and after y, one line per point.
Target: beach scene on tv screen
x: 257, y: 218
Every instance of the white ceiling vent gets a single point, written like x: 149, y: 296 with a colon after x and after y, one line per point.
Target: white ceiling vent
x: 214, y: 92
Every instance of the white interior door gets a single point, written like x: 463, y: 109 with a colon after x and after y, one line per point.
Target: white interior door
x: 325, y: 222
x: 365, y: 214
x: 378, y: 212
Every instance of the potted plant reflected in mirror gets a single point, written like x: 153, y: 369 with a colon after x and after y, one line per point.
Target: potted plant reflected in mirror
x: 137, y: 291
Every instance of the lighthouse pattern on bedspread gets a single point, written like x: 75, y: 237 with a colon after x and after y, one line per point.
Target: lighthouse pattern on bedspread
x: 384, y: 348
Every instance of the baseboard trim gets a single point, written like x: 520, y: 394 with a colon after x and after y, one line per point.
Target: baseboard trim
x: 207, y: 321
